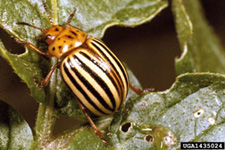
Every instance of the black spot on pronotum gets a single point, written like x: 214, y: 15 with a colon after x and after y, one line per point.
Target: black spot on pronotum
x: 70, y: 37
x: 125, y: 127
x: 74, y: 33
x: 60, y: 47
x: 53, y: 48
x: 149, y: 138
x: 56, y: 29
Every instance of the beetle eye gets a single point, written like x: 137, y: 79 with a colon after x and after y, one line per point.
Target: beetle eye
x: 48, y: 36
x: 49, y: 39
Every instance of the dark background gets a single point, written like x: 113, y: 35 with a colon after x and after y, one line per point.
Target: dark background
x: 149, y: 50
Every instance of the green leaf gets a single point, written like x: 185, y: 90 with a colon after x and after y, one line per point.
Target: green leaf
x: 201, y: 48
x: 26, y: 70
x: 79, y: 139
x: 15, y: 132
x: 94, y: 142
x: 94, y: 17
x: 191, y: 110
x: 27, y: 65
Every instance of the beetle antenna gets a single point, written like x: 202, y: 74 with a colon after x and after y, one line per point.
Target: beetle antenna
x: 27, y: 24
x: 48, y: 14
x: 71, y: 17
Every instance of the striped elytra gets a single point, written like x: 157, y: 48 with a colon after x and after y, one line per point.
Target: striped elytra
x: 96, y: 77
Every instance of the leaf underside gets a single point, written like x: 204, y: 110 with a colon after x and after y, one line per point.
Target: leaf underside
x: 202, y: 51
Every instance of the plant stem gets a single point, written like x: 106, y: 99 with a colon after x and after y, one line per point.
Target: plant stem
x: 46, y: 117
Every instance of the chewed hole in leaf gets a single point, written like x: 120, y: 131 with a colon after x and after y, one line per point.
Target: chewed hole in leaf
x: 170, y: 139
x: 211, y: 120
x: 199, y: 113
x: 10, y: 43
x: 162, y: 136
x: 126, y: 126
x: 149, y: 138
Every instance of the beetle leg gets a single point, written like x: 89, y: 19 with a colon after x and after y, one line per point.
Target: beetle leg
x: 47, y: 78
x: 33, y: 47
x: 139, y: 91
x: 97, y: 132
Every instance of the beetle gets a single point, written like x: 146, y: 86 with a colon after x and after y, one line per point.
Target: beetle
x: 89, y: 68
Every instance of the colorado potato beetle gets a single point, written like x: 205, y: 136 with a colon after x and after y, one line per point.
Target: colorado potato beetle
x: 91, y: 71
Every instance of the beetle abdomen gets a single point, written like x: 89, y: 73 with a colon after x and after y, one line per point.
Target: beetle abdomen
x: 94, y: 82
